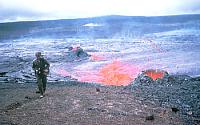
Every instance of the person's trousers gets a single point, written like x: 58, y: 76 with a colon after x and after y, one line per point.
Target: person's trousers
x: 42, y: 81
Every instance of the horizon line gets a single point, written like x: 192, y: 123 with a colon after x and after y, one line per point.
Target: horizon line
x: 40, y: 20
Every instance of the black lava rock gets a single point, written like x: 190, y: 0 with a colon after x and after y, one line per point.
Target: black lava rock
x: 174, y: 109
x: 150, y: 117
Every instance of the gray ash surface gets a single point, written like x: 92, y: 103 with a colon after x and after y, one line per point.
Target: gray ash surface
x: 181, y: 93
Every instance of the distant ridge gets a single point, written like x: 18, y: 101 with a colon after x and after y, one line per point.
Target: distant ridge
x: 116, y: 17
x: 110, y: 26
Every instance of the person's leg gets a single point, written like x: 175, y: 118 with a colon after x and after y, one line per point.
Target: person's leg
x: 44, y: 81
x: 40, y: 85
x: 37, y: 91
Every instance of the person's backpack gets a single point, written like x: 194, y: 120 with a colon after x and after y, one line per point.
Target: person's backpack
x: 42, y: 67
x: 45, y: 67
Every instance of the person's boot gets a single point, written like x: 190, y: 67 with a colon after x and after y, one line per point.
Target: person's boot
x: 37, y: 92
x: 41, y: 96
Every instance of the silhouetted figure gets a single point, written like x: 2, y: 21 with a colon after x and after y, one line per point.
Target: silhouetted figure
x: 41, y: 68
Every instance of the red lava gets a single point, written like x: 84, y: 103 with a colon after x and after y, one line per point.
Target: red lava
x: 155, y: 74
x: 96, y: 57
x: 115, y: 73
x: 62, y: 72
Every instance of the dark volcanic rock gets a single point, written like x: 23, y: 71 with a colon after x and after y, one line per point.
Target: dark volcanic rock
x: 76, y: 54
x: 180, y: 91
x: 150, y: 117
x: 3, y: 74
x: 13, y: 106
x: 97, y: 89
x: 196, y: 79
x: 174, y: 109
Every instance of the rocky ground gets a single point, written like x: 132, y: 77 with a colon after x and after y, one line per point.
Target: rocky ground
x: 81, y: 104
x: 172, y: 100
x: 181, y: 93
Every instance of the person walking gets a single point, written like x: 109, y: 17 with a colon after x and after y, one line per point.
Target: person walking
x: 41, y: 68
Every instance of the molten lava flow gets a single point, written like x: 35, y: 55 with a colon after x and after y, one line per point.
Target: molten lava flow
x: 62, y: 72
x: 154, y: 74
x: 89, y: 76
x: 117, y: 73
x: 95, y: 57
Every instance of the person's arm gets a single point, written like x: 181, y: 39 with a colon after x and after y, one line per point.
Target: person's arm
x: 46, y: 67
x: 33, y: 65
x: 46, y: 63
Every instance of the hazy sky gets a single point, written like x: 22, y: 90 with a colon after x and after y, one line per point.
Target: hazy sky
x: 17, y: 10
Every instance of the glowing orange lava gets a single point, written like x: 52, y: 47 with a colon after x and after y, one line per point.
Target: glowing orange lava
x: 154, y: 74
x: 117, y: 73
x: 96, y: 57
x: 62, y: 72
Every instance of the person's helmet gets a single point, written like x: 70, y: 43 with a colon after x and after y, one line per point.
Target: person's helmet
x: 38, y: 54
